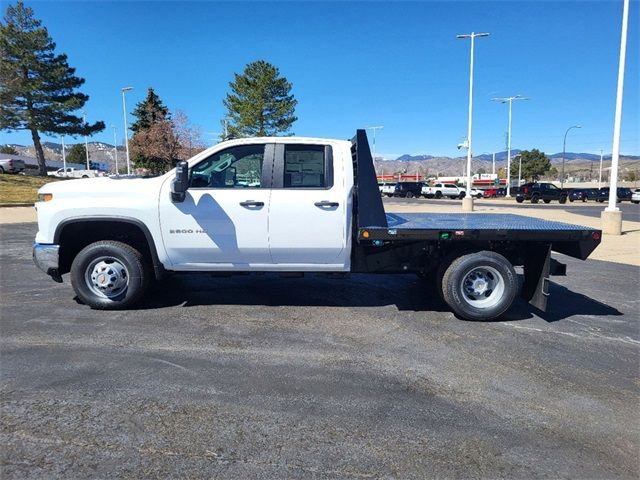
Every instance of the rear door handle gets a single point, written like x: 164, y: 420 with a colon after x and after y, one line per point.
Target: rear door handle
x: 251, y: 203
x: 326, y: 203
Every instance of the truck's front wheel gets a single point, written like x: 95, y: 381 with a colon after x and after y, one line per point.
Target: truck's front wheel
x: 480, y: 286
x: 109, y: 275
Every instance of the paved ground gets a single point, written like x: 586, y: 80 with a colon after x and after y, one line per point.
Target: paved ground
x: 371, y: 377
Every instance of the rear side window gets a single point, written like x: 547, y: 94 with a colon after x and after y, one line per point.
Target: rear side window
x: 306, y: 166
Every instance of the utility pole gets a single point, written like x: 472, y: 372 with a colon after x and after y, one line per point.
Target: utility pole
x: 467, y: 201
x: 374, y: 139
x: 493, y: 164
x: 126, y: 133
x: 64, y: 157
x: 86, y: 144
x: 509, y: 100
x: 115, y: 148
x: 600, y: 174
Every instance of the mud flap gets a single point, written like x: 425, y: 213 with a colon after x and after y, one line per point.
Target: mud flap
x: 536, y: 277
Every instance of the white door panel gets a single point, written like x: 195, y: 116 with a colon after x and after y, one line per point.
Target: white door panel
x: 211, y: 226
x: 302, y: 232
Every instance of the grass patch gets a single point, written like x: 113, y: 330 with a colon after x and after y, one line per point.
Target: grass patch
x: 22, y: 188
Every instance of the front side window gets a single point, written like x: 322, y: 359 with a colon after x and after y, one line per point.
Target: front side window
x: 304, y: 166
x: 235, y: 167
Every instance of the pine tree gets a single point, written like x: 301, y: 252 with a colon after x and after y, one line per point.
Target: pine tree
x: 149, y: 111
x: 534, y: 164
x: 260, y: 102
x: 8, y: 149
x: 38, y: 88
x: 77, y: 154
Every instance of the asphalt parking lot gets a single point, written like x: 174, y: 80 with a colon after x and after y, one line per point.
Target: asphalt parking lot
x: 261, y: 376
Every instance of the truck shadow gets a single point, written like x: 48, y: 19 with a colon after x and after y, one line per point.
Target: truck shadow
x: 406, y: 292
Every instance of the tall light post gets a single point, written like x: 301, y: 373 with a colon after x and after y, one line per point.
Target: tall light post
x: 115, y: 147
x: 612, y: 216
x: 374, y: 138
x: 600, y: 174
x: 126, y: 128
x: 509, y: 100
x: 64, y: 157
x: 564, y: 148
x: 493, y: 164
x: 467, y: 201
x: 86, y: 144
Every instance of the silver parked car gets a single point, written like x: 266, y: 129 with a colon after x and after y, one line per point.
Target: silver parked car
x: 10, y: 165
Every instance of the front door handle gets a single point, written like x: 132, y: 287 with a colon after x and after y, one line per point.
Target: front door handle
x: 326, y: 203
x: 251, y: 203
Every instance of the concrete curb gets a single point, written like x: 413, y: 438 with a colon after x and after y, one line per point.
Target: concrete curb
x: 9, y: 205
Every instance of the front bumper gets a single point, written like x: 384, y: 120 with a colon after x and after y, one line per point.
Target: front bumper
x: 46, y: 258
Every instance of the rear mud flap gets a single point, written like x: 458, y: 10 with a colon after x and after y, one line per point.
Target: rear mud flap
x: 537, y: 267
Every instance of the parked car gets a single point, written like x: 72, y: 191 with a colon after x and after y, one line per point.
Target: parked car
x: 490, y: 193
x: 624, y: 194
x: 408, y: 189
x: 477, y: 193
x: 388, y: 188
x: 440, y: 190
x: 583, y: 194
x: 635, y: 196
x: 9, y: 165
x: 541, y: 191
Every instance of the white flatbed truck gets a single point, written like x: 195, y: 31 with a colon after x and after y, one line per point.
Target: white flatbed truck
x: 287, y: 204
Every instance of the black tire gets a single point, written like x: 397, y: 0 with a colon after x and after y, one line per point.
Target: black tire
x: 546, y: 200
x: 438, y: 194
x: 519, y: 199
x: 461, y: 196
x: 635, y: 202
x: 1, y: 171
x: 571, y: 199
x: 409, y: 195
x: 563, y: 199
x: 584, y: 199
x: 535, y: 199
x: 85, y: 176
x: 109, y: 253
x: 498, y: 273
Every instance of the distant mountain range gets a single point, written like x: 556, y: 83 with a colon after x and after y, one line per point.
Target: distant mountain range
x: 502, y: 156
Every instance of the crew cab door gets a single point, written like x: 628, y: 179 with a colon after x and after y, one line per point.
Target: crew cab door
x: 223, y: 222
x: 308, y: 210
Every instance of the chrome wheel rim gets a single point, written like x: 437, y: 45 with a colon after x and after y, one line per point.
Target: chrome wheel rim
x: 107, y: 277
x: 482, y: 287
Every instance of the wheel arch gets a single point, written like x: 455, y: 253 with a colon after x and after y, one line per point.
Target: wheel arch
x: 73, y: 234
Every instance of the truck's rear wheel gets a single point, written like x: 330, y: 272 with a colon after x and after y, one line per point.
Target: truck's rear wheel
x: 438, y: 194
x: 535, y: 199
x: 409, y: 195
x: 563, y: 199
x: 109, y: 275
x: 480, y: 286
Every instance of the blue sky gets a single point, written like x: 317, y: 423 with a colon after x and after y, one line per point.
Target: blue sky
x: 356, y: 64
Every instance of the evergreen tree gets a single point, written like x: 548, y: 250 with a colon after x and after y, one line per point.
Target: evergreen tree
x: 77, y: 154
x: 8, y: 149
x: 149, y: 111
x: 260, y: 102
x: 38, y: 88
x: 534, y: 164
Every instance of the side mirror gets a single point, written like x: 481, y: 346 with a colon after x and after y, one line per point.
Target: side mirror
x: 180, y: 184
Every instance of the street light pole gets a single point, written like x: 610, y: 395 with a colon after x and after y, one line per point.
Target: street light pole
x: 115, y: 148
x: 600, y: 174
x: 509, y: 100
x: 86, y: 144
x: 564, y: 148
x: 467, y: 202
x: 493, y: 164
x: 374, y: 139
x: 615, y: 151
x: 64, y: 157
x: 126, y: 135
